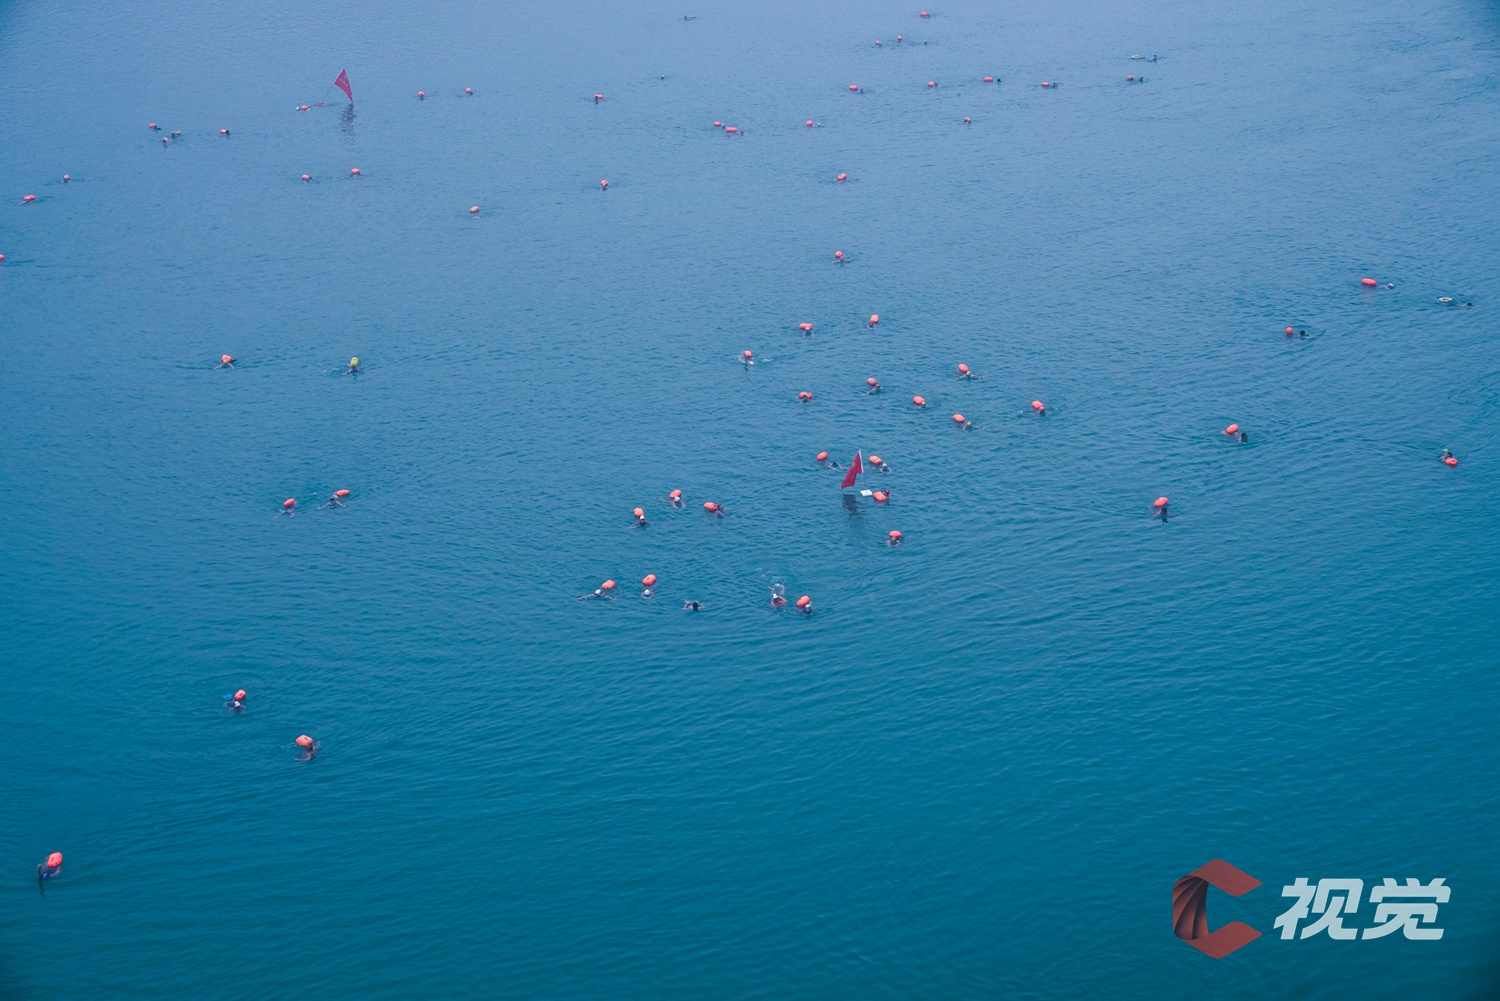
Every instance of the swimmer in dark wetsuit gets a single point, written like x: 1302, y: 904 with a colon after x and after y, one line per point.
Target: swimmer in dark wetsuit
x: 691, y: 606
x: 1244, y: 437
x: 235, y: 703
x: 46, y: 870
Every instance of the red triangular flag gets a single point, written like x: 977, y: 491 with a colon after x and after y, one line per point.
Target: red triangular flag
x: 342, y: 83
x: 855, y: 468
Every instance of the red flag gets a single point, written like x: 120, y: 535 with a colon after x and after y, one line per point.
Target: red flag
x: 342, y: 83
x: 855, y: 468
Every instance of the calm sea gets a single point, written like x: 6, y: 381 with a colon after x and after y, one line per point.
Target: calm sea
x: 978, y: 768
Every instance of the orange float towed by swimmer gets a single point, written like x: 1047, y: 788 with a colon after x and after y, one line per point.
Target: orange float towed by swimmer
x: 608, y: 585
x: 1369, y: 282
x: 675, y: 497
x: 893, y: 538
x: 306, y: 178
x: 842, y: 178
x: 747, y: 357
x: 421, y: 95
x: 806, y: 328
x: 805, y: 396
x: 288, y: 506
x: 838, y: 255
x: 473, y: 210
x: 27, y: 199
x: 874, y: 320
x: 932, y: 83
x: 1038, y: 406
x: 226, y: 361
x: 822, y: 456
x: 603, y: 185
x: 959, y: 419
x: 712, y: 508
x: 640, y: 517
x: 989, y: 79
x: 649, y: 580
x: 730, y: 130
x: 918, y: 402
x: 804, y: 605
x: 873, y: 383
x: 963, y: 370
x: 54, y: 860
x: 854, y: 88
x: 1232, y: 429
x: 469, y: 91
x: 1159, y: 503
x: 353, y: 171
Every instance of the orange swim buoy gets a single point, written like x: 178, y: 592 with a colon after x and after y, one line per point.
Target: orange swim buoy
x: 842, y: 178
x: 1232, y: 429
x: 354, y: 172
x: 871, y: 382
x: 608, y: 585
x: 28, y: 198
x: 1368, y: 281
x: 931, y: 83
x: 304, y: 741
x: 603, y: 185
x: 989, y: 79
x: 1159, y: 503
x: 1046, y: 84
x: 67, y: 178
x: 877, y: 43
x: 1037, y: 405
x: 473, y: 210
x: 421, y: 95
x: 880, y: 496
x: 710, y: 507
x: 730, y: 130
x: 822, y: 456
x: 838, y: 255
x: 959, y: 419
x: 718, y: 125
x: 874, y: 319
x: 223, y: 132
x: 54, y: 860
x: 240, y: 694
x: 341, y: 494
x: 805, y: 396
x: 747, y: 355
x: 875, y: 461
x: 306, y: 178
x: 967, y: 119
x: 1290, y: 331
x: 638, y: 512
x: 804, y: 602
x: 919, y: 401
x: 469, y: 91
x: 648, y: 580
x: 894, y: 535
x: 1450, y: 461
x: 807, y: 327
x: 809, y: 123
x: 226, y: 359
x: 675, y: 495
x: 289, y: 503
x: 854, y: 87
x: 153, y: 126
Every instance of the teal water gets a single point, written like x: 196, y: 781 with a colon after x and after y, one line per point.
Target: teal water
x: 977, y: 770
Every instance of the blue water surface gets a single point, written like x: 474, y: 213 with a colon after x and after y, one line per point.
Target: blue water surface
x: 977, y: 769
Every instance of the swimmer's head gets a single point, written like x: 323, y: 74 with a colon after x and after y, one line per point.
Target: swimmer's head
x: 354, y: 363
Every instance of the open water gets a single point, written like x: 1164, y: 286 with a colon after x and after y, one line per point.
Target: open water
x: 977, y: 769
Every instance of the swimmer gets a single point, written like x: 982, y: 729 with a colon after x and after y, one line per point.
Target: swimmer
x: 690, y: 17
x: 598, y: 592
x: 883, y: 468
x: 165, y: 141
x: 804, y: 605
x: 646, y: 592
x: 46, y: 870
x: 353, y: 368
x: 747, y: 359
x: 288, y: 508
x: 881, y: 496
x: 970, y: 426
x: 1301, y: 333
x: 691, y: 606
x: 1244, y: 437
x: 337, y: 500
x: 1446, y: 455
x: 236, y: 702
x: 225, y: 361
x: 778, y: 596
x: 1468, y: 304
x: 639, y: 518
x: 874, y: 384
x: 1152, y: 59
x: 676, y: 498
x: 309, y: 747
x: 176, y: 134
